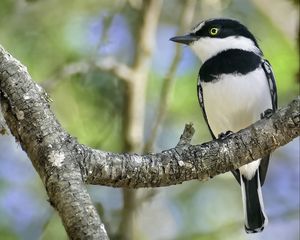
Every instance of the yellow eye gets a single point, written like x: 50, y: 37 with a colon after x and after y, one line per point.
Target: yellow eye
x: 213, y: 31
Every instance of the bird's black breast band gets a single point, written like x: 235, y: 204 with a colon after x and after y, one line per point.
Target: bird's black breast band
x: 231, y: 61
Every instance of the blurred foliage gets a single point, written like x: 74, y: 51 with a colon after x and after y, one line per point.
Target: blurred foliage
x: 82, y: 115
x: 296, y: 2
x: 54, y: 229
x: 48, y: 35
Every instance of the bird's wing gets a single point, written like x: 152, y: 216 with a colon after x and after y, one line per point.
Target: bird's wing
x: 271, y: 82
x: 273, y: 91
x: 201, y: 102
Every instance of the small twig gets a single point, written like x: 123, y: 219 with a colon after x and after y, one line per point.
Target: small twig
x: 186, y: 136
x: 119, y: 70
x: 111, y: 65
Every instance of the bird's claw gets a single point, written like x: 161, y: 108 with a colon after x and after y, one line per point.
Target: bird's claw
x: 224, y: 135
x: 267, y: 114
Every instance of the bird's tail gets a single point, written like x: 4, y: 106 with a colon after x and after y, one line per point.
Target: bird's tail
x: 255, y: 218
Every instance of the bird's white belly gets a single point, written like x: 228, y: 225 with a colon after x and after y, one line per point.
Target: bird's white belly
x: 234, y: 102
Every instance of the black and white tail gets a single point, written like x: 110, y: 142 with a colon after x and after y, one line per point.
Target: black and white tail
x: 255, y: 218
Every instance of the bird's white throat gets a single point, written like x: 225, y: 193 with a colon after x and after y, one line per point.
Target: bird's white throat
x: 207, y: 47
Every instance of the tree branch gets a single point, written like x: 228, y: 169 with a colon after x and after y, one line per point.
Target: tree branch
x: 64, y: 165
x: 26, y: 110
x: 186, y: 162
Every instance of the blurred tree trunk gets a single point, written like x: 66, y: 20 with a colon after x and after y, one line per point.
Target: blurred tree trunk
x: 135, y: 98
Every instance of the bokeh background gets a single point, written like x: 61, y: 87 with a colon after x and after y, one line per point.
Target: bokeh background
x: 49, y: 35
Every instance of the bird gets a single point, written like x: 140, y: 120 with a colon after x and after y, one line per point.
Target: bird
x: 236, y: 87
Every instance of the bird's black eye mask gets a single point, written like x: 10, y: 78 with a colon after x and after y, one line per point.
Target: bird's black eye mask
x: 208, y: 31
x: 219, y: 29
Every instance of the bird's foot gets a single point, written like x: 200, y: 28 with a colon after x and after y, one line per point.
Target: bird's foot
x: 224, y: 135
x: 257, y: 230
x: 267, y: 114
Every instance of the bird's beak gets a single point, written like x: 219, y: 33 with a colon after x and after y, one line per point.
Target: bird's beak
x: 185, y: 39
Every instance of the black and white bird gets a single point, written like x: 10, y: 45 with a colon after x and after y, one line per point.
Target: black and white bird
x: 235, y: 87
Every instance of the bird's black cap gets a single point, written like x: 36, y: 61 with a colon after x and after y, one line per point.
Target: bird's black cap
x: 226, y: 28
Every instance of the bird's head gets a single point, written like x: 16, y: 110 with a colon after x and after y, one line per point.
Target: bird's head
x: 212, y: 36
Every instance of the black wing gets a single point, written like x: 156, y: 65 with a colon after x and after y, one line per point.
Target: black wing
x: 273, y: 91
x: 271, y: 82
x: 201, y: 102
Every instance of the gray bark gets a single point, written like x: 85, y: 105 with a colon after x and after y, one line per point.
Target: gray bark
x: 65, y: 166
x: 53, y: 152
x: 186, y: 162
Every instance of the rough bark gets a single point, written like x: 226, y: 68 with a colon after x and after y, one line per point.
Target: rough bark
x: 186, y: 162
x: 65, y: 166
x: 53, y: 152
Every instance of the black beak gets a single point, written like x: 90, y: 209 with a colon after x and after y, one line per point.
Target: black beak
x: 185, y: 39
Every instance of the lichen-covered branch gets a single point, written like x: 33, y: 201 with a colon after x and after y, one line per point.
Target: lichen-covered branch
x: 53, y: 152
x: 186, y: 162
x: 65, y: 166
